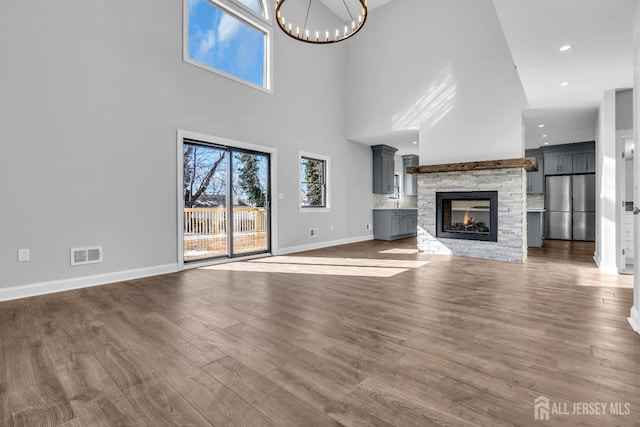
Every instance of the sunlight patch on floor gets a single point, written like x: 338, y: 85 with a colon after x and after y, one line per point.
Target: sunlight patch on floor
x: 356, y: 262
x: 257, y: 266
x: 399, y: 251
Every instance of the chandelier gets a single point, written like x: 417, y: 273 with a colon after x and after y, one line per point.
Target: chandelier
x: 300, y: 27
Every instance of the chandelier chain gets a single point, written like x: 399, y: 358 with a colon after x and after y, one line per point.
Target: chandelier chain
x: 306, y: 19
x: 348, y: 11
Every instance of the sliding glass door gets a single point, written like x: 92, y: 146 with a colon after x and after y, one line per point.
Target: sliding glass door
x: 226, y: 201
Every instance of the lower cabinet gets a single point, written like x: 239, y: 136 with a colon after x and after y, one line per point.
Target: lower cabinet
x: 535, y: 228
x: 391, y: 224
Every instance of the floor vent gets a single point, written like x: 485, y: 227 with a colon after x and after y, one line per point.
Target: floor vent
x: 82, y: 256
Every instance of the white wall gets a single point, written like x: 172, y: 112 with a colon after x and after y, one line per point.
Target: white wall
x: 634, y: 317
x: 92, y: 94
x: 446, y: 69
x: 605, y: 254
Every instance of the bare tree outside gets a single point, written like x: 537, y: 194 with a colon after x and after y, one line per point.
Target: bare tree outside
x: 200, y: 169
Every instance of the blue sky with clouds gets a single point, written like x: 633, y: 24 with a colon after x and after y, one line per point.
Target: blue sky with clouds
x: 226, y: 43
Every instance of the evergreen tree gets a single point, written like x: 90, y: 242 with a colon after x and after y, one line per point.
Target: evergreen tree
x: 249, y: 179
x: 313, y: 171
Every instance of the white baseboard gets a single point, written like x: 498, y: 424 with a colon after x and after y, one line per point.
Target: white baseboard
x: 605, y: 269
x: 634, y: 319
x: 320, y: 245
x: 42, y: 288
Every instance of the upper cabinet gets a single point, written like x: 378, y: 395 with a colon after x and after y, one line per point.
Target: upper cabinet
x: 383, y: 168
x: 570, y: 158
x: 584, y: 162
x: 558, y: 164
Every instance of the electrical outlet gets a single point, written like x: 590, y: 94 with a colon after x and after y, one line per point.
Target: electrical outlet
x: 23, y: 255
x: 313, y: 232
x: 367, y: 226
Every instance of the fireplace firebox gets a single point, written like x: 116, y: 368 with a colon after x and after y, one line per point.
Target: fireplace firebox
x: 469, y: 215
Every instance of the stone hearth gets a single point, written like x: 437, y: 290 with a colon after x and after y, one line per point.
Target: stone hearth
x: 509, y: 182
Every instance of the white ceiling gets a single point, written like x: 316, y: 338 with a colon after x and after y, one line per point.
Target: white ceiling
x: 601, y: 32
x: 337, y: 6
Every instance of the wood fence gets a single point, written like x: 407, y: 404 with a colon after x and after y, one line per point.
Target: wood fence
x: 213, y: 221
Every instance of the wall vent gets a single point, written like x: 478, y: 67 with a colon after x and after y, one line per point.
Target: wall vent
x: 89, y: 255
x: 314, y: 232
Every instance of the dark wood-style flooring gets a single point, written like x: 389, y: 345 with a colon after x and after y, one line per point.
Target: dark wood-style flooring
x: 368, y: 334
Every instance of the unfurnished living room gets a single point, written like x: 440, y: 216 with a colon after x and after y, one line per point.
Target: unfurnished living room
x: 319, y: 212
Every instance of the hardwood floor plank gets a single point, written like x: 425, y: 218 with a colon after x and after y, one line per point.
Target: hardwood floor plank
x: 35, y: 395
x: 280, y: 406
x: 215, y: 401
x: 5, y: 408
x: 195, y: 349
x: 159, y: 404
x: 94, y: 397
x: 400, y: 409
x: 254, y: 357
x: 324, y: 395
x: 277, y: 348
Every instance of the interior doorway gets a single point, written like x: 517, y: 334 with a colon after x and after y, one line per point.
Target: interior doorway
x: 226, y: 198
x: 626, y: 195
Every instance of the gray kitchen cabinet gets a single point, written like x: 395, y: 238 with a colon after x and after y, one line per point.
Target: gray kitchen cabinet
x: 558, y: 164
x: 391, y: 224
x: 383, y: 168
x: 566, y: 159
x: 584, y: 162
x: 535, y: 228
x: 535, y: 180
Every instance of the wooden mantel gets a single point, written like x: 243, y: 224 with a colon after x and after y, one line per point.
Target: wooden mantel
x: 530, y: 164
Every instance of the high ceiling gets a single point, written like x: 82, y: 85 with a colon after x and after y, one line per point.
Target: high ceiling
x: 601, y: 58
x: 338, y: 6
x: 601, y: 33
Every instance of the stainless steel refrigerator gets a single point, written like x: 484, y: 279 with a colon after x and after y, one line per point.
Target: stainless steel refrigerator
x: 570, y: 202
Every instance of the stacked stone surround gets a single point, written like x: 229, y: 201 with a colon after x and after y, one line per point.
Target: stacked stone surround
x: 510, y: 183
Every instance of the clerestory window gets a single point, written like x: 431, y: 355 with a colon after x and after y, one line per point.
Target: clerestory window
x: 230, y: 38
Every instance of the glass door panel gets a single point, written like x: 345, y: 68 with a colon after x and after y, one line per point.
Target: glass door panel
x: 250, y: 210
x: 205, y: 201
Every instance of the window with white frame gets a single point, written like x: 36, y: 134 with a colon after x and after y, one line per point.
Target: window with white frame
x: 230, y: 38
x: 314, y: 182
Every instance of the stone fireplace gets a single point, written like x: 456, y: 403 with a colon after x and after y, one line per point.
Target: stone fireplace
x: 474, y: 209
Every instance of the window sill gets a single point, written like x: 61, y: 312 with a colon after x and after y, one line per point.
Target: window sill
x: 314, y: 210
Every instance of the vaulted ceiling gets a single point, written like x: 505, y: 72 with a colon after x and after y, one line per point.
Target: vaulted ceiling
x: 601, y: 58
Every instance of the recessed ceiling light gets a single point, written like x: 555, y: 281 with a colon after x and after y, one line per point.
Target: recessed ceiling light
x: 563, y: 84
x: 415, y: 142
x: 546, y: 143
x: 540, y: 125
x: 545, y: 135
x: 565, y: 47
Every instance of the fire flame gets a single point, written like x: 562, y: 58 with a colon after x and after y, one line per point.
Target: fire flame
x: 467, y: 218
